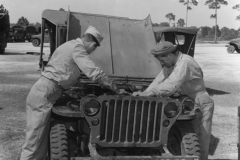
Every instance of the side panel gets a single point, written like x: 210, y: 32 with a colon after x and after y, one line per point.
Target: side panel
x: 132, y: 41
x: 79, y: 23
x: 62, y: 31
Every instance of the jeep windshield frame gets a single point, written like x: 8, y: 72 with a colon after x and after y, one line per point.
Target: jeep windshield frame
x: 171, y: 34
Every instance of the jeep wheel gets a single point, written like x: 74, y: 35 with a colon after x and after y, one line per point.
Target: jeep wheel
x: 59, y: 147
x: 190, y: 145
x: 179, y: 144
x: 35, y: 42
x: 231, y: 49
x: 174, y: 141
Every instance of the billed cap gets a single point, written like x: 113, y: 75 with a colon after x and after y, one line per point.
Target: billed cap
x: 93, y: 31
x: 163, y: 48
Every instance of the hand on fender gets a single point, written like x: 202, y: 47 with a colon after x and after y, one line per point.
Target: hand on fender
x: 143, y: 94
x: 123, y: 92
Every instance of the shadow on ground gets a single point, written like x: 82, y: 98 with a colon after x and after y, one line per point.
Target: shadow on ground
x: 13, y: 53
x: 214, y: 141
x: 212, y: 92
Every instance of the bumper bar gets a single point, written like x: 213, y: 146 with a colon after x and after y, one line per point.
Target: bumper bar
x: 140, y: 158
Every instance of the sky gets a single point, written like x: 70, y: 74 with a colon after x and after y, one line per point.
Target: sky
x: 133, y: 9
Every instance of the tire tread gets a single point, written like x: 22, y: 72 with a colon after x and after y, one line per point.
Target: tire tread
x: 58, y: 142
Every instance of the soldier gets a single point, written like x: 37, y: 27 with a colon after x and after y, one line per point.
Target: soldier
x: 61, y: 72
x: 182, y: 73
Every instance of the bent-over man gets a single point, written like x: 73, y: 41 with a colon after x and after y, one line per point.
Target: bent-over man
x: 182, y: 73
x: 61, y: 72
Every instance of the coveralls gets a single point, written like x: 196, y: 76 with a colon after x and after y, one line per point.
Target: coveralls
x: 61, y: 72
x: 187, y: 77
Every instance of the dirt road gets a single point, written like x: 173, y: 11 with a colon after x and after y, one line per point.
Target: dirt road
x: 222, y: 78
x: 18, y: 72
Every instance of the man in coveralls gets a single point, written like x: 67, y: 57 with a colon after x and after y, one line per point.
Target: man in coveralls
x: 61, y: 72
x: 182, y: 73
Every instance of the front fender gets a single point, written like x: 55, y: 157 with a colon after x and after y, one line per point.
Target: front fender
x: 67, y: 111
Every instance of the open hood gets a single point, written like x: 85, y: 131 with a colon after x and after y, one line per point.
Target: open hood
x: 125, y: 49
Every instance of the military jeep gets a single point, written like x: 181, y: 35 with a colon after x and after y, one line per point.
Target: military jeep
x: 90, y: 122
x: 234, y: 45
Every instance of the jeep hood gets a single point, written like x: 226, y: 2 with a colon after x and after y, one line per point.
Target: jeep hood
x: 125, y: 49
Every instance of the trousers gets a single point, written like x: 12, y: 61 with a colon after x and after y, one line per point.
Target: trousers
x: 202, y: 125
x: 39, y: 103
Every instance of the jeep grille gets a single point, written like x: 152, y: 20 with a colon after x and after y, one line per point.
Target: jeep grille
x: 130, y: 120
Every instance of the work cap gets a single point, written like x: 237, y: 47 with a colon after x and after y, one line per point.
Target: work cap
x: 163, y: 48
x: 93, y: 31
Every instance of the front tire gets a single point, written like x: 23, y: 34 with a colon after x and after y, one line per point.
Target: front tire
x: 59, y: 147
x: 231, y: 49
x: 35, y: 42
x: 190, y: 144
x: 180, y: 143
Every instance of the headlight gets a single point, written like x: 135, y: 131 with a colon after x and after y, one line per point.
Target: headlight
x: 171, y: 110
x: 91, y: 108
x: 188, y: 105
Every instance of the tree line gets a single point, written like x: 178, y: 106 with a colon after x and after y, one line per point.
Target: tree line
x: 22, y: 21
x: 205, y: 32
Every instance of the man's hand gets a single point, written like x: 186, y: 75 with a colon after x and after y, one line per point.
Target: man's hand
x: 123, y: 92
x: 144, y: 94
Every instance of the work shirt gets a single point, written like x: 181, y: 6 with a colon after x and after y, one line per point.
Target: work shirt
x: 186, y: 76
x: 68, y: 61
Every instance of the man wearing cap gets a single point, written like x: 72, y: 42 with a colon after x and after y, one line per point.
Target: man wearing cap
x: 181, y: 73
x: 61, y: 72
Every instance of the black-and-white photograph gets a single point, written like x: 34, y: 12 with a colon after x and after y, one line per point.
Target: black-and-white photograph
x: 119, y: 79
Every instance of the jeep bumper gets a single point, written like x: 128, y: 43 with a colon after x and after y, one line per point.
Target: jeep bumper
x: 140, y: 158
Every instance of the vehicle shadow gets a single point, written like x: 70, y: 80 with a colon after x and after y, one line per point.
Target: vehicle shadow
x: 17, y: 53
x: 214, y: 141
x: 13, y: 53
x: 44, y: 46
x: 212, y: 92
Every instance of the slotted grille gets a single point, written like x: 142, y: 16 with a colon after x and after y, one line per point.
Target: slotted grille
x: 131, y: 121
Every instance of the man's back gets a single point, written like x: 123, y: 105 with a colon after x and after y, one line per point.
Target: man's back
x: 61, y: 66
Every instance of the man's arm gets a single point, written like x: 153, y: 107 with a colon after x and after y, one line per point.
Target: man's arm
x: 180, y: 74
x: 87, y: 66
x: 160, y: 78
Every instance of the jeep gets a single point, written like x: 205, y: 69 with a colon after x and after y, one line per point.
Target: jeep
x: 90, y: 122
x: 234, y: 45
x: 36, y: 39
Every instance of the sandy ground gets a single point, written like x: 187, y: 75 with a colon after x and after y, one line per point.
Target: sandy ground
x: 19, y: 71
